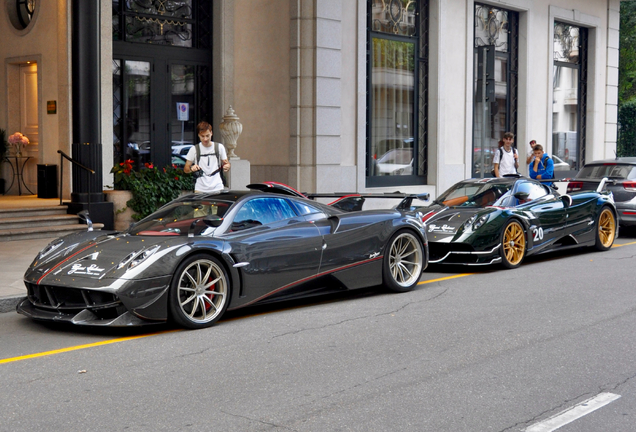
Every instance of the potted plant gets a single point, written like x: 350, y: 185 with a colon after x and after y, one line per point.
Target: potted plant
x: 148, y: 189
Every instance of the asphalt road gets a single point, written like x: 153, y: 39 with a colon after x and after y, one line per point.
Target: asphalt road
x: 494, y: 350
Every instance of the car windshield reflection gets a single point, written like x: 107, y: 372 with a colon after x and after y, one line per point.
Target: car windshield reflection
x: 179, y: 218
x: 473, y: 194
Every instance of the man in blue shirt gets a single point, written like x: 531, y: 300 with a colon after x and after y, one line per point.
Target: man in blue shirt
x: 542, y: 166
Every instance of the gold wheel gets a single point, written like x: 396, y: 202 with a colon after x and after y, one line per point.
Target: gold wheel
x: 606, y: 231
x: 513, y: 244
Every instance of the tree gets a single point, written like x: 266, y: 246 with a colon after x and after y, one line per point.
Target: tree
x: 626, y: 145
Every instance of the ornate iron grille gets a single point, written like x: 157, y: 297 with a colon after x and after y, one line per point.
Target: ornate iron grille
x: 513, y: 78
x: 397, y: 46
x: 491, y: 27
x: 422, y: 161
x: 161, y: 22
x: 394, y: 16
x: 583, y: 74
x: 204, y: 25
x: 117, y: 111
x: 566, y: 43
x: 204, y: 86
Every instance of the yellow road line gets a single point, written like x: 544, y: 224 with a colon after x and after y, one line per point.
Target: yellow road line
x: 124, y: 339
x: 624, y: 244
x: 445, y: 278
x: 79, y: 347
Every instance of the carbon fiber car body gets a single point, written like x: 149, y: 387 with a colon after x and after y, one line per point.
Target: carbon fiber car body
x: 468, y: 230
x: 124, y: 278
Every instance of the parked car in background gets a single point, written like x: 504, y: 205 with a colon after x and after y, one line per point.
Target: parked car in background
x: 398, y: 161
x: 181, y: 149
x: 560, y: 164
x: 622, y: 184
x: 503, y: 220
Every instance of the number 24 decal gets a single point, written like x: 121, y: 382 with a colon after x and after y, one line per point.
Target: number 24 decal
x: 538, y: 234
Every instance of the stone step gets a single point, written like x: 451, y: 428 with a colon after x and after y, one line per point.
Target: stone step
x: 43, y: 232
x: 21, y: 212
x: 37, y: 221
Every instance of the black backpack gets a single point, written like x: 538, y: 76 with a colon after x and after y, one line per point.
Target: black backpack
x: 218, y: 161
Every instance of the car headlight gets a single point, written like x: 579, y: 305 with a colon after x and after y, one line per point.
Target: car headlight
x: 136, y: 258
x: 50, y: 248
x: 482, y: 220
x: 469, y: 222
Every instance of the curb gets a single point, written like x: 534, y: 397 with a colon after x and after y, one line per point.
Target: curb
x: 8, y: 304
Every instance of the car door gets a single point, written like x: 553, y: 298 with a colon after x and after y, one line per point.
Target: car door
x: 274, y: 248
x: 549, y: 214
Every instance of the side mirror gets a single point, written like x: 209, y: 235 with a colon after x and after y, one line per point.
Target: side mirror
x: 521, y: 196
x: 213, y: 220
x: 83, y: 215
x: 567, y: 200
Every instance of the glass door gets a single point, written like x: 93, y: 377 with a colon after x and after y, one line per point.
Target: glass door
x: 131, y: 109
x: 182, y: 126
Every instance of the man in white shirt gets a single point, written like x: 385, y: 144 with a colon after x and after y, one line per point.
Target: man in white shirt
x: 209, y: 162
x: 506, y: 158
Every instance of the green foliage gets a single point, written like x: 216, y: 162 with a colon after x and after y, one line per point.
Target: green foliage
x: 626, y: 145
x: 627, y: 61
x: 151, y: 187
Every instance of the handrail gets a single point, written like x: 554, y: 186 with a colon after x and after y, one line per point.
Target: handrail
x: 73, y: 161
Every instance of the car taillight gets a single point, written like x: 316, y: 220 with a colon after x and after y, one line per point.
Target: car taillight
x: 630, y: 186
x: 575, y: 186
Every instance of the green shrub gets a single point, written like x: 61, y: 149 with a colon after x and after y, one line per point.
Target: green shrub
x: 151, y: 187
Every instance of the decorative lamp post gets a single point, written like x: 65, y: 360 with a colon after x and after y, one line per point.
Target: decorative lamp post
x: 231, y: 128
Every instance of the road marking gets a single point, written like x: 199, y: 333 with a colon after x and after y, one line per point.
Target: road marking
x: 574, y: 413
x: 111, y: 341
x: 624, y: 244
x: 444, y: 278
x: 79, y: 347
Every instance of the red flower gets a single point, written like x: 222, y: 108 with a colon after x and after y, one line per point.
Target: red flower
x: 176, y: 177
x: 149, y: 165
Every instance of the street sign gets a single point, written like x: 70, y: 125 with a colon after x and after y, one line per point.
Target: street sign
x: 183, y: 111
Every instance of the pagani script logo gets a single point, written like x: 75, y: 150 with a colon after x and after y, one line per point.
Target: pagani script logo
x: 443, y: 229
x: 91, y: 270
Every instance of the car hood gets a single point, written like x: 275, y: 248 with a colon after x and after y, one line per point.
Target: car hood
x: 448, y: 223
x: 101, y: 256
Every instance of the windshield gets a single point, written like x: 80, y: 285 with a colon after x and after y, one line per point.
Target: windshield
x: 177, y: 219
x: 473, y: 194
x: 613, y: 171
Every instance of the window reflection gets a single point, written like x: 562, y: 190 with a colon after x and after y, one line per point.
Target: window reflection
x: 393, y: 75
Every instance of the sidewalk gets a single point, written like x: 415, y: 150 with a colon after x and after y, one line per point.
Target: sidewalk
x: 15, y: 258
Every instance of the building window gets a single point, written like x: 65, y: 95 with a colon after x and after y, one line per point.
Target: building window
x: 175, y: 23
x: 495, y: 83
x: 162, y: 78
x: 569, y: 90
x: 397, y: 92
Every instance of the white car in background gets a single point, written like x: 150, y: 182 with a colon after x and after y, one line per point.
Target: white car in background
x: 398, y: 161
x: 560, y: 164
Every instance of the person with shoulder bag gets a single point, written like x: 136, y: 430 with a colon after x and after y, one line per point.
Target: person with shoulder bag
x: 542, y: 167
x: 207, y: 161
x: 506, y: 158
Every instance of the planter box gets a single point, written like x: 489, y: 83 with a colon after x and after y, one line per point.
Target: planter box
x: 123, y: 214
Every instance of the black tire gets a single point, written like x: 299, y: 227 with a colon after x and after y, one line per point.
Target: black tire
x: 605, y: 229
x: 513, y: 245
x: 403, y: 262
x: 200, y: 292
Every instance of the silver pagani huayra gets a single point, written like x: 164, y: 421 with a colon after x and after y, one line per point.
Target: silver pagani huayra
x: 203, y: 254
